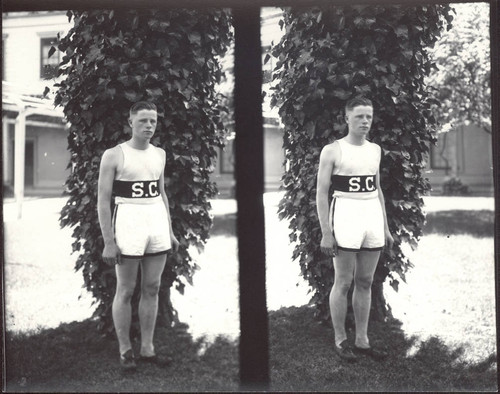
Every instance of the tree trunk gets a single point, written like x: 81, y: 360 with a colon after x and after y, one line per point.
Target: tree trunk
x: 167, y: 315
x: 380, y: 310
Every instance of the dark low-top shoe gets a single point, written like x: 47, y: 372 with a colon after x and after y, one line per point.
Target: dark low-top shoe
x: 158, y: 359
x: 127, y: 361
x: 377, y: 354
x: 345, y: 352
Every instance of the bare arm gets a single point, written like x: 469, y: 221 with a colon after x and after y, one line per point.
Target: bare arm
x: 173, y: 239
x: 111, y: 253
x: 388, y: 236
x: 326, y: 165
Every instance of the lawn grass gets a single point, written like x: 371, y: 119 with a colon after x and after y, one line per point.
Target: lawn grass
x: 302, y: 360
x: 477, y: 223
x: 74, y: 358
x: 447, y: 310
x: 450, y: 293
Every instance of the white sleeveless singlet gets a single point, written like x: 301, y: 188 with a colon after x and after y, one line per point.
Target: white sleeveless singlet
x: 358, y: 162
x: 139, y: 167
x: 356, y: 217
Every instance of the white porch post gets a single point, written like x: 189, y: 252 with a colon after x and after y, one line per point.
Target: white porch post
x: 19, y: 149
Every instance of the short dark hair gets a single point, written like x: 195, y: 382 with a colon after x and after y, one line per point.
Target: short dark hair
x: 356, y: 102
x: 140, y: 105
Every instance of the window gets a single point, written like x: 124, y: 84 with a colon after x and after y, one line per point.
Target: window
x: 49, y: 64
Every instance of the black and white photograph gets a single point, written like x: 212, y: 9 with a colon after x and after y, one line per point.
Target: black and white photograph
x: 295, y: 198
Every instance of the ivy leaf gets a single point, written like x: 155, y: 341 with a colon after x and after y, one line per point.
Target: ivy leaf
x: 131, y: 95
x: 195, y: 38
x: 51, y: 51
x: 341, y: 93
x: 402, y: 31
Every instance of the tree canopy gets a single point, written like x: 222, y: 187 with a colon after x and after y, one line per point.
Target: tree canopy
x: 462, y: 78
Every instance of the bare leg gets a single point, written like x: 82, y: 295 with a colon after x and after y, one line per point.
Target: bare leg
x: 126, y: 276
x: 362, y: 295
x: 152, y: 268
x: 344, y: 269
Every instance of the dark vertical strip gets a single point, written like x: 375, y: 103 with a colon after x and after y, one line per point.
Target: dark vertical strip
x: 254, y: 358
x: 495, y: 132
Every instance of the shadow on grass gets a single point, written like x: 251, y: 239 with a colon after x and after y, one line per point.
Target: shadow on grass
x: 73, y: 357
x: 302, y: 359
x: 477, y: 223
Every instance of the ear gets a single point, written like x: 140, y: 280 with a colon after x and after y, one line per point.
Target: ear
x: 346, y: 119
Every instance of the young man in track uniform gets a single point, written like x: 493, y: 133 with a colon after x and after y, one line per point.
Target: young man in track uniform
x: 354, y: 228
x: 140, y: 230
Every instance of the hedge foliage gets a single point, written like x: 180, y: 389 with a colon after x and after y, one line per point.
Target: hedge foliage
x: 114, y: 58
x: 326, y: 56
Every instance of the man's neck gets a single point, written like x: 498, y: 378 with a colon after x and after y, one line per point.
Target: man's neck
x: 141, y: 144
x: 355, y: 140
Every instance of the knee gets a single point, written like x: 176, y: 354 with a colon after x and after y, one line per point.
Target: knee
x: 363, y: 283
x: 342, y: 285
x: 150, y: 289
x: 124, y: 292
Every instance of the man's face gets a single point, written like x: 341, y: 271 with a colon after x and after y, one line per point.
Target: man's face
x: 359, y: 120
x: 143, y: 123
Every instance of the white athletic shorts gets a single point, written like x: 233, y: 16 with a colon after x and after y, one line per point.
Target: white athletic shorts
x: 357, y: 224
x: 142, y: 229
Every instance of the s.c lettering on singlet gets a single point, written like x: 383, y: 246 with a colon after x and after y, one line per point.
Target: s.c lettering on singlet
x: 138, y: 181
x: 355, y: 175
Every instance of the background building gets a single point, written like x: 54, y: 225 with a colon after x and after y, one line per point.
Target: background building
x: 464, y: 152
x: 27, y: 71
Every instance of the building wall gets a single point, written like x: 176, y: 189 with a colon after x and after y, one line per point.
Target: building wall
x: 223, y: 174
x: 274, y: 157
x: 469, y: 153
x: 46, y: 143
x: 51, y: 156
x: 21, y: 35
x: 46, y: 169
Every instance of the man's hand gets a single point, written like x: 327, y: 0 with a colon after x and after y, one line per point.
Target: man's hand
x: 329, y: 245
x: 175, y: 243
x: 389, y: 241
x: 111, y: 254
